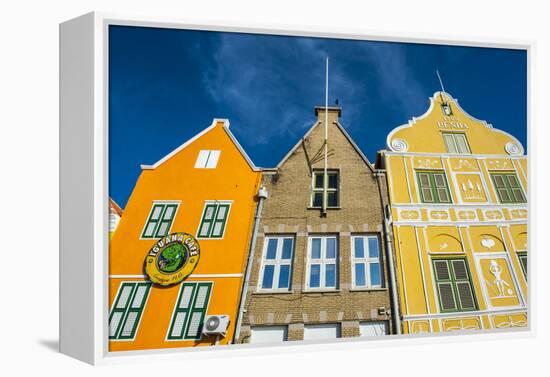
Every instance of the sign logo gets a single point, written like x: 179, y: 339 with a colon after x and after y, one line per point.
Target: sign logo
x: 172, y: 259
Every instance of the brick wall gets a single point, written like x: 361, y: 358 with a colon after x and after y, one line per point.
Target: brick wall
x: 287, y: 211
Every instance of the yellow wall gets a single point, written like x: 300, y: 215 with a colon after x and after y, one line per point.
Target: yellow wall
x: 475, y: 226
x: 177, y: 180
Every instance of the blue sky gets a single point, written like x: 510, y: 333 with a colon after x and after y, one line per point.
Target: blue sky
x: 166, y: 85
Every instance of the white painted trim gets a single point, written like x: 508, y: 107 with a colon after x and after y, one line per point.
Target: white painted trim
x: 413, y: 121
x: 215, y: 121
x: 407, y: 179
x: 452, y: 155
x: 424, y: 287
x: 405, y: 298
x: 473, y: 313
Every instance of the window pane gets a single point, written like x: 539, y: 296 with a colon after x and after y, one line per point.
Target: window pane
x: 149, y: 229
x: 499, y: 182
x: 332, y: 199
x: 163, y: 229
x: 267, y: 281
x: 315, y: 276
x: 209, y: 212
x: 315, y: 248
x: 204, y: 229
x: 427, y: 195
x: 375, y: 274
x: 318, y: 181
x: 439, y: 180
x: 284, y: 275
x: 218, y: 229
x: 374, y: 252
x: 169, y: 212
x: 317, y: 199
x: 271, y: 248
x: 449, y: 143
x: 221, y: 212
x: 424, y: 180
x: 114, y: 323
x: 156, y: 212
x: 359, y: 248
x: 124, y: 295
x: 287, y: 248
x: 360, y: 280
x: 518, y: 195
x: 461, y: 143
x: 443, y: 196
x: 333, y: 180
x: 331, y: 248
x: 330, y: 275
x: 513, y: 181
x: 504, y: 196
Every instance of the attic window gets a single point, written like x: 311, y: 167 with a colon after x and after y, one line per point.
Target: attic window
x: 446, y: 109
x: 207, y: 159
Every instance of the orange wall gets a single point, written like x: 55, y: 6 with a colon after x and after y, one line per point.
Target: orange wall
x: 176, y: 179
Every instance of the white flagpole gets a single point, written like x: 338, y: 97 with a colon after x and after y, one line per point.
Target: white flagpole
x: 325, y: 178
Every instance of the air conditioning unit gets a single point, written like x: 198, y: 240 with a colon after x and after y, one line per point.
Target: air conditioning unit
x: 215, y: 325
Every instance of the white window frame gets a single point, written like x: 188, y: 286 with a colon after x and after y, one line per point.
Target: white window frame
x: 367, y: 260
x: 277, y: 263
x: 207, y: 159
x: 323, y: 262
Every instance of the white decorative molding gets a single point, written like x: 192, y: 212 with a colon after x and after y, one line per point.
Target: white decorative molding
x: 426, y: 163
x: 512, y: 149
x: 399, y: 145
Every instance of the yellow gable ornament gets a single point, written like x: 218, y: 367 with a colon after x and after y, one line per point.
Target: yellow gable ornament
x: 172, y: 258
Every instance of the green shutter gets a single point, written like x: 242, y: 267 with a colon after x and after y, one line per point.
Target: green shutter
x: 214, y: 220
x: 190, y: 311
x: 433, y: 187
x: 160, y: 220
x: 453, y: 284
x: 127, y: 310
x: 523, y: 261
x: 508, y: 188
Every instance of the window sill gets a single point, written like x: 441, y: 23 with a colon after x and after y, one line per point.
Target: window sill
x: 368, y: 289
x: 320, y: 208
x: 274, y: 292
x: 308, y: 291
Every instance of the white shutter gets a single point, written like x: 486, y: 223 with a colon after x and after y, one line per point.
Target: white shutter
x: 186, y: 296
x: 179, y: 321
x: 115, y: 321
x: 327, y: 331
x: 138, y: 297
x: 268, y: 334
x: 201, y: 159
x: 201, y: 297
x: 373, y: 328
x: 213, y: 159
x: 124, y: 296
x: 194, y: 324
x: 129, y: 324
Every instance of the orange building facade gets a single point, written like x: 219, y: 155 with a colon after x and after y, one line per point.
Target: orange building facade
x: 206, y: 188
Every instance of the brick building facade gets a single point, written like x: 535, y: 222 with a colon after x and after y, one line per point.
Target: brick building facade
x: 320, y: 274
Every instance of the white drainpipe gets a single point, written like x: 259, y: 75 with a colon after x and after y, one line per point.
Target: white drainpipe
x: 262, y: 194
x: 387, y: 227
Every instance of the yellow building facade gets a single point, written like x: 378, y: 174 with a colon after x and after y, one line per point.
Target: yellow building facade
x: 207, y: 189
x: 458, y: 194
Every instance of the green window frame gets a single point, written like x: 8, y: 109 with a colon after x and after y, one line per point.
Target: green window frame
x: 456, y: 143
x: 333, y: 188
x: 214, y: 220
x: 522, y: 256
x: 160, y: 219
x: 508, y: 188
x: 433, y: 187
x: 454, y: 285
x: 127, y: 310
x: 189, y: 311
